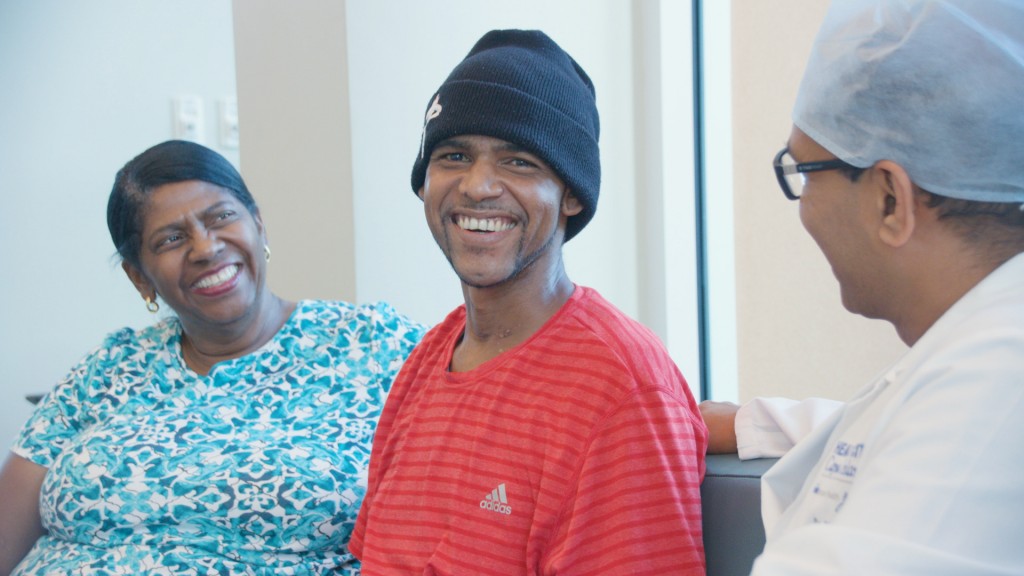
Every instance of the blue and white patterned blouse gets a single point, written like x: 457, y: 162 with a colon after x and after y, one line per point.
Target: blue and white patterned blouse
x: 257, y: 468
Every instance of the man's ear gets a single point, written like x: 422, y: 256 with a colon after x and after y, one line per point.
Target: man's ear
x: 420, y: 192
x: 571, y: 205
x: 896, y: 203
x: 142, y: 284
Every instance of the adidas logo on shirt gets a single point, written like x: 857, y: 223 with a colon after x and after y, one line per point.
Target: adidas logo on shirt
x: 497, y: 501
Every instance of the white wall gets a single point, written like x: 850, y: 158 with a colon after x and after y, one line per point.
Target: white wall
x: 397, y: 52
x: 84, y: 86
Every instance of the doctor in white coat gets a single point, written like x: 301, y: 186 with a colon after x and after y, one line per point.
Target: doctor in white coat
x: 907, y: 158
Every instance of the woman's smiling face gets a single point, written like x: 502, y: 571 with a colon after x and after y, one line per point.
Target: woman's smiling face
x: 202, y: 252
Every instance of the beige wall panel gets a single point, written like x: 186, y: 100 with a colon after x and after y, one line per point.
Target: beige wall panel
x: 794, y: 337
x: 292, y: 78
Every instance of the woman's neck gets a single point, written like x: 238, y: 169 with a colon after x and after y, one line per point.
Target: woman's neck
x: 202, y: 349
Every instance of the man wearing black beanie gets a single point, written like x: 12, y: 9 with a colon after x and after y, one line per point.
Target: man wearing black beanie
x: 537, y: 429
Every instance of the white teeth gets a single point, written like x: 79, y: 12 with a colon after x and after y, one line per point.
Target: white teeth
x: 485, y: 224
x: 219, y: 278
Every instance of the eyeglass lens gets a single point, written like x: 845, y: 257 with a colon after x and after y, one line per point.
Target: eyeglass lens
x: 796, y: 179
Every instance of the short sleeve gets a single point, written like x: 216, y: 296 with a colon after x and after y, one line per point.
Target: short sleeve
x: 637, y: 509
x: 65, y: 411
x: 393, y: 337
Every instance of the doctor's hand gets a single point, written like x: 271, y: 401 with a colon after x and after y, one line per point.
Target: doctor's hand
x: 720, y: 418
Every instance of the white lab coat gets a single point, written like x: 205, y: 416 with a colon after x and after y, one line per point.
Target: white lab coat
x: 770, y: 427
x: 923, y: 471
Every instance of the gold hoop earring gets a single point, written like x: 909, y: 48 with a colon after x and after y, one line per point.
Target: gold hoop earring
x: 266, y: 251
x: 152, y: 305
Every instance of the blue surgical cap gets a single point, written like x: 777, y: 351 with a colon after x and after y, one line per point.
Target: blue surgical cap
x: 935, y: 86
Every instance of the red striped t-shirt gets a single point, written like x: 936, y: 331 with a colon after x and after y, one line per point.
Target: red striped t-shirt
x: 581, y: 451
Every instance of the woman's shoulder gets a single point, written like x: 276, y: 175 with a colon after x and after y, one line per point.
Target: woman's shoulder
x: 157, y: 335
x: 377, y: 315
x: 106, y: 374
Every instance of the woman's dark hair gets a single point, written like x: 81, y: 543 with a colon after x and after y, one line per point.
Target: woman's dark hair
x: 166, y: 163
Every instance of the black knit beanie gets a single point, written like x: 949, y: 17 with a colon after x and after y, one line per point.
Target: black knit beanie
x: 521, y: 87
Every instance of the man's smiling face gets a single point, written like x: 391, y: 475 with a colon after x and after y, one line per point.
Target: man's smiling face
x: 494, y: 208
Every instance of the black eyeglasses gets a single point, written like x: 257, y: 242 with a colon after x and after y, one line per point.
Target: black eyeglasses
x: 791, y: 174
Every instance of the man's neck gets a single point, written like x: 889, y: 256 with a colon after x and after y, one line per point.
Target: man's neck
x: 502, y: 317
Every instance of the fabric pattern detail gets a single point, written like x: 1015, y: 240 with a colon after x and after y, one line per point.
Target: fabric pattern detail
x: 257, y: 468
x: 579, y: 451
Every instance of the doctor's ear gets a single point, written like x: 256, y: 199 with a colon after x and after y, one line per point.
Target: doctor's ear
x: 897, y: 203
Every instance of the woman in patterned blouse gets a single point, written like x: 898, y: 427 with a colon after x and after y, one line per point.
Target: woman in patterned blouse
x: 229, y: 438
